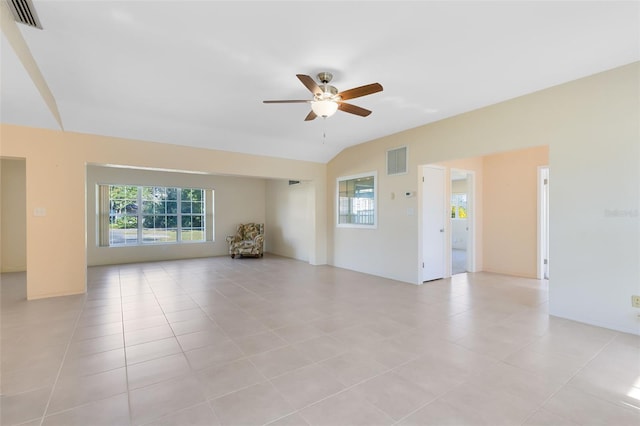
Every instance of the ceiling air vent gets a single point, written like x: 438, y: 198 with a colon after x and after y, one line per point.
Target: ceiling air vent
x: 24, y: 12
x: 397, y: 161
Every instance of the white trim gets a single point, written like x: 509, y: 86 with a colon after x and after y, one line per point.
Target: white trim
x: 543, y: 173
x: 375, y: 201
x: 471, y: 259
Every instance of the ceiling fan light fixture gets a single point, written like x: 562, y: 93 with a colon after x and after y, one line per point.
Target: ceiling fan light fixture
x: 324, y: 108
x: 327, y: 99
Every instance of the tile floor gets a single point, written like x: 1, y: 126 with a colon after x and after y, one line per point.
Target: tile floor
x: 276, y: 341
x: 458, y: 261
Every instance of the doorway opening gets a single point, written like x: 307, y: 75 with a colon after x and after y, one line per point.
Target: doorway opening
x: 461, y: 191
x: 13, y: 228
x: 500, y: 213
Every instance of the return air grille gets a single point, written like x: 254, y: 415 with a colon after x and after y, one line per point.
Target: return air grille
x: 24, y: 12
x: 397, y: 161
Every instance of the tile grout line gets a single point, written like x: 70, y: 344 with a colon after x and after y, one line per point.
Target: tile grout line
x: 64, y: 357
x: 86, y: 308
x: 566, y: 383
x: 319, y: 362
x: 192, y: 371
x: 502, y: 361
x: 346, y: 389
x: 155, y: 296
x: 439, y: 397
x: 124, y: 348
x: 247, y: 358
x: 326, y: 334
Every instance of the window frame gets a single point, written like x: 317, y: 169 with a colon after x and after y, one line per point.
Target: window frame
x: 140, y: 215
x: 374, y: 225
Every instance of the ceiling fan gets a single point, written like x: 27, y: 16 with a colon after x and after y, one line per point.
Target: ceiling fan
x: 326, y: 98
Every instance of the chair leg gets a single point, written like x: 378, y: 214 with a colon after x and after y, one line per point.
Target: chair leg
x: 233, y: 256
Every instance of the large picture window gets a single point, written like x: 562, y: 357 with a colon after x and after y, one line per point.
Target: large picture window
x: 357, y: 200
x: 154, y: 214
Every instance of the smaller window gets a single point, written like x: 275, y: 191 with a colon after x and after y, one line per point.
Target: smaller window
x: 356, y: 201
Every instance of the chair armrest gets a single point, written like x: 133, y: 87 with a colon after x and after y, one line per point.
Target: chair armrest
x: 230, y: 239
x: 259, y: 239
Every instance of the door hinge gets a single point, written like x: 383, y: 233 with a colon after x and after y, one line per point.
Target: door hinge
x: 546, y: 181
x: 546, y: 261
x: 423, y: 178
x: 423, y: 264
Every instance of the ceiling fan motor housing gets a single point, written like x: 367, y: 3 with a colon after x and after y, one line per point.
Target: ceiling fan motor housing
x: 328, y: 93
x: 324, y: 77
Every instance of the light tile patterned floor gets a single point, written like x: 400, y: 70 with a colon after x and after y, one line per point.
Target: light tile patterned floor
x: 277, y: 341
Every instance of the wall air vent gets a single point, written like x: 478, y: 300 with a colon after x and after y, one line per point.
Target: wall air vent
x: 24, y: 12
x: 294, y: 182
x: 397, y: 161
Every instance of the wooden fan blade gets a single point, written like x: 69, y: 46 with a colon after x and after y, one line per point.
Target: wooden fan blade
x: 352, y: 109
x: 309, y: 84
x: 288, y: 101
x: 311, y: 116
x: 361, y: 91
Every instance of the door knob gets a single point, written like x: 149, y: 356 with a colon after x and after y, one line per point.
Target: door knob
x: 442, y: 230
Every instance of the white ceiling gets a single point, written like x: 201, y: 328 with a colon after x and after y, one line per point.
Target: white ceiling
x: 195, y: 72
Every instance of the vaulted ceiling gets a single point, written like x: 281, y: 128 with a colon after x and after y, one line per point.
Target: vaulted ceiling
x: 196, y: 72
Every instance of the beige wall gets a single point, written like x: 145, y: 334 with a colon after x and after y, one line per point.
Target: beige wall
x: 56, y: 180
x: 591, y: 128
x: 237, y: 200
x: 510, y: 221
x: 590, y: 125
x: 13, y: 228
x: 289, y: 218
x: 505, y: 211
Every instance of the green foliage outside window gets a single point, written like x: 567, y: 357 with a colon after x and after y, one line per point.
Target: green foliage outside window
x: 155, y: 214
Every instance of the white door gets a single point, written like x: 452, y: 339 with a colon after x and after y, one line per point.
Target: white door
x: 433, y: 220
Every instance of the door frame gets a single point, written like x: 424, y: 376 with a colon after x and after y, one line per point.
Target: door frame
x: 543, y: 222
x: 471, y: 220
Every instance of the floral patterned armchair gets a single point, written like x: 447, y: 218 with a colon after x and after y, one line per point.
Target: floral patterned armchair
x: 248, y: 241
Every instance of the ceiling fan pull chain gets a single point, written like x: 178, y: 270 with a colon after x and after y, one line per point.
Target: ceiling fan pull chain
x: 324, y: 130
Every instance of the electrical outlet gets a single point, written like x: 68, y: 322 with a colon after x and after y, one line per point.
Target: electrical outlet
x: 635, y: 301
